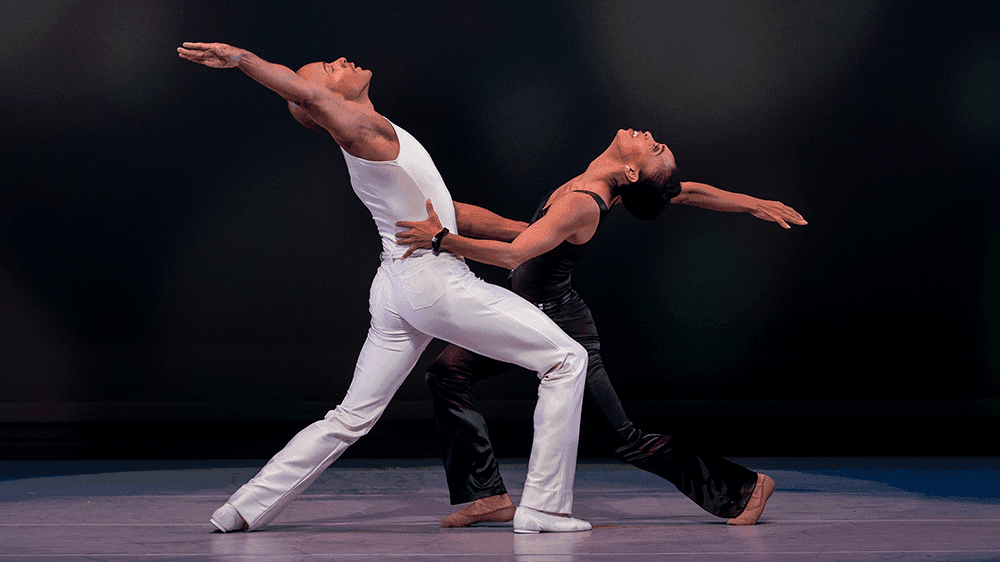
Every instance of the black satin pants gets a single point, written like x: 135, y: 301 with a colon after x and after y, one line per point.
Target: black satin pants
x: 717, y: 485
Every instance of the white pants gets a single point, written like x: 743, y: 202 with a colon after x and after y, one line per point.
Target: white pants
x: 413, y: 301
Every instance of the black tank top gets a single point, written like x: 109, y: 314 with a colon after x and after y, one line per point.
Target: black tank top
x: 547, y: 277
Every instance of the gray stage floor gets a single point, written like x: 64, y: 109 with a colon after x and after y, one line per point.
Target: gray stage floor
x: 823, y: 509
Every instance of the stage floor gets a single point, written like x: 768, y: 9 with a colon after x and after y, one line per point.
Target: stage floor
x: 842, y: 509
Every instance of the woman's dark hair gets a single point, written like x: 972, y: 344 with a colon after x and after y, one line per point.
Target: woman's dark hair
x: 647, y: 197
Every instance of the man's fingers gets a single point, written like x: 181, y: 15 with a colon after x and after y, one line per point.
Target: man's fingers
x: 430, y: 209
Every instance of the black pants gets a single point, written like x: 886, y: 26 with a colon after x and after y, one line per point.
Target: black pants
x: 717, y: 485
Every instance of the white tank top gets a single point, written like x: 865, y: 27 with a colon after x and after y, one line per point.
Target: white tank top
x: 395, y: 190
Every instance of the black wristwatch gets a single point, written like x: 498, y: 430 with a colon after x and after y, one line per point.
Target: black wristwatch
x: 436, y: 241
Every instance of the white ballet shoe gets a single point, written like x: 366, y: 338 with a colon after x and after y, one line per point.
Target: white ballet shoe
x: 527, y: 520
x: 227, y: 519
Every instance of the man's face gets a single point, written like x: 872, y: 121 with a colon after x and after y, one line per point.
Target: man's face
x: 339, y: 76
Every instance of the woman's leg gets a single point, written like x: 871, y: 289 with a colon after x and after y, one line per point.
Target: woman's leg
x: 470, y: 468
x: 717, y: 485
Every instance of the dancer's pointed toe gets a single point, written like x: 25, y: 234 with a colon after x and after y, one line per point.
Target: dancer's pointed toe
x: 751, y: 514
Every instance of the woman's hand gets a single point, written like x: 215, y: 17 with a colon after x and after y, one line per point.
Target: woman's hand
x: 420, y: 233
x: 778, y: 212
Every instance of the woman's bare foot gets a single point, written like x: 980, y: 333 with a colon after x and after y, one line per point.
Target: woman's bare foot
x: 494, y: 509
x: 763, y: 491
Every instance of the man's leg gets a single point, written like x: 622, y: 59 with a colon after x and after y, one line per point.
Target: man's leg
x: 388, y: 355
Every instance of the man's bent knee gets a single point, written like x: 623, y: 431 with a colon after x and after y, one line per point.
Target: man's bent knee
x: 574, y: 363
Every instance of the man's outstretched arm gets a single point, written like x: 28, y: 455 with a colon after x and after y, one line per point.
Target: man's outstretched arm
x: 281, y: 79
x: 343, y: 120
x: 712, y: 198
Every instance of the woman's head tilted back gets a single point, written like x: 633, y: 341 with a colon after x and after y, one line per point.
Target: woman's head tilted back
x: 647, y: 197
x: 650, y: 173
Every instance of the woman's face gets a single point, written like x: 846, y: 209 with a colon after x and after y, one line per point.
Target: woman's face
x: 641, y: 150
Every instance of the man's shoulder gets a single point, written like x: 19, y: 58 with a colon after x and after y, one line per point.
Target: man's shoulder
x: 370, y: 136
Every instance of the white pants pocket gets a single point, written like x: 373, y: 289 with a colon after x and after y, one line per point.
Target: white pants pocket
x: 421, y: 286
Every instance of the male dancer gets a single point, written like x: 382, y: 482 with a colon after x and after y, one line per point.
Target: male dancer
x: 412, y: 301
x: 642, y: 174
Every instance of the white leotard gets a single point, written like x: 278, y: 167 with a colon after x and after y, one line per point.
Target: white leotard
x: 396, y: 190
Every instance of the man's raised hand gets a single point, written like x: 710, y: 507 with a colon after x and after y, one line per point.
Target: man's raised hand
x: 214, y: 55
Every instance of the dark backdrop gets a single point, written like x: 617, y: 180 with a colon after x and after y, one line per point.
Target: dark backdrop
x: 178, y: 255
